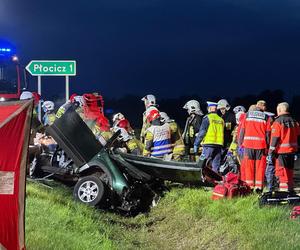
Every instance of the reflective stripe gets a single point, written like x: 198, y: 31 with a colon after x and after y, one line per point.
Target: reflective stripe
x: 250, y: 183
x: 161, y: 147
x: 161, y: 153
x: 283, y: 185
x: 258, y: 182
x: 253, y: 138
x: 216, y: 194
x: 256, y: 120
x: 285, y: 145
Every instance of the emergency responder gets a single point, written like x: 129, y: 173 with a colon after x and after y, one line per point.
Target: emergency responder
x: 127, y: 143
x: 75, y: 101
x: 192, y: 125
x: 176, y: 137
x: 150, y: 104
x: 255, y: 138
x: 49, y: 115
x: 240, y: 113
x: 36, y: 126
x: 211, y: 136
x: 119, y: 120
x: 261, y: 105
x: 158, y: 137
x: 229, y: 120
x: 116, y: 118
x: 284, y: 146
x: 270, y: 169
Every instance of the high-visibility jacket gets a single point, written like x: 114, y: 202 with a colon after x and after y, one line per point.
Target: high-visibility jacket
x: 284, y: 135
x: 176, y: 140
x: 134, y: 146
x: 215, y: 131
x: 255, y: 130
x: 48, y: 119
x: 158, y: 140
x: 233, y: 146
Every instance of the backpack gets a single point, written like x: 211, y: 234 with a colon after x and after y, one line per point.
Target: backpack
x: 230, y: 187
x: 295, y: 212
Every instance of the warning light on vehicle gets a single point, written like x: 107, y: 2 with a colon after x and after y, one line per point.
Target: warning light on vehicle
x: 5, y: 50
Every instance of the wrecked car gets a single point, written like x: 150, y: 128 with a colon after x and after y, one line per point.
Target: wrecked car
x: 104, y: 178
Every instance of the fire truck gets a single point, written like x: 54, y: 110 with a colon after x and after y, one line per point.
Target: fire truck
x: 12, y: 75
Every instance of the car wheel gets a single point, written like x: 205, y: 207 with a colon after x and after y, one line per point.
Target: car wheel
x: 89, y: 190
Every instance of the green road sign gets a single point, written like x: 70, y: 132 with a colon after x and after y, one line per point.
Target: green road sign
x: 51, y: 68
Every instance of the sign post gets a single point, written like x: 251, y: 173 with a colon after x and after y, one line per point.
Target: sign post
x: 40, y: 93
x: 41, y: 68
x: 67, y: 88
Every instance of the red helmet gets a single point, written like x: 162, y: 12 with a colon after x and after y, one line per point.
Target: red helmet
x: 153, y: 115
x: 124, y: 123
x: 72, y: 97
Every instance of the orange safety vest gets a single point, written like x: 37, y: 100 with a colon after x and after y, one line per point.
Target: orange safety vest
x: 255, y: 125
x: 285, y: 130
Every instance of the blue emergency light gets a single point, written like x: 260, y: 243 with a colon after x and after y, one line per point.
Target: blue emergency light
x: 5, y: 49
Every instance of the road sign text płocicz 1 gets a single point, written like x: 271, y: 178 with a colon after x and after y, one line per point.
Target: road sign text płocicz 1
x: 51, y: 68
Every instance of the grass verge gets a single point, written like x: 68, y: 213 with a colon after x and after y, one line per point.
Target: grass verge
x: 184, y: 219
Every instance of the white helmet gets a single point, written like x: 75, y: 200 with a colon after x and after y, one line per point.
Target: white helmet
x: 223, y: 104
x: 124, y: 136
x: 164, y: 117
x: 79, y: 99
x: 118, y: 117
x: 48, y: 106
x: 149, y: 100
x: 193, y: 107
x: 26, y: 95
x: 239, y: 109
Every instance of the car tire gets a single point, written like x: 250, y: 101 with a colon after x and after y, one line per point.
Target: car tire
x: 90, y: 190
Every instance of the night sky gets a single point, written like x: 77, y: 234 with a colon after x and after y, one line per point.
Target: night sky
x: 168, y: 48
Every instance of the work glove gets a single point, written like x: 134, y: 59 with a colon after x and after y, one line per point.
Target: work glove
x: 296, y: 157
x: 269, y: 160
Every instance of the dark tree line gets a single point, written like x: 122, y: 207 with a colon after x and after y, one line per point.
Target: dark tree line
x: 133, y: 108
